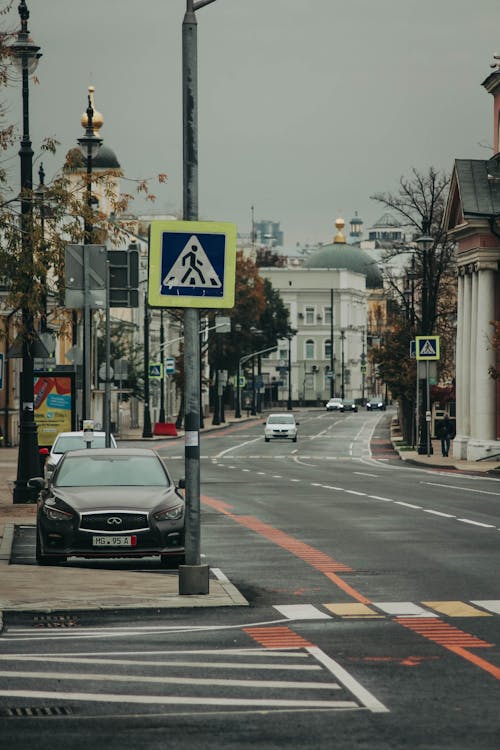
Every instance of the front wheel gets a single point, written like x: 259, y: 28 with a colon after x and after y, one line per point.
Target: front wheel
x: 295, y: 439
x: 267, y: 439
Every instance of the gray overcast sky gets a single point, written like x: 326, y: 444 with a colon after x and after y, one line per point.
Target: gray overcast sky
x: 306, y: 107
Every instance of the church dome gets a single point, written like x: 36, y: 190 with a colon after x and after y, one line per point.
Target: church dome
x: 350, y: 257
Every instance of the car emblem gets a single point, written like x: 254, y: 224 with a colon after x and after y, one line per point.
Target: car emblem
x: 114, y: 521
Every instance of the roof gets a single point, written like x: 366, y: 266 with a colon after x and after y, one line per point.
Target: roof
x: 350, y: 257
x: 479, y: 194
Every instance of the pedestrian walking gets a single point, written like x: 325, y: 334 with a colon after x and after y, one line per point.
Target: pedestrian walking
x: 445, y: 433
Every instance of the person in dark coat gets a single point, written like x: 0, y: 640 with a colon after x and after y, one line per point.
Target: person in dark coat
x: 446, y: 433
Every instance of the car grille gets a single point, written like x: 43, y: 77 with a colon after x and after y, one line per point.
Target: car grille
x: 114, y: 521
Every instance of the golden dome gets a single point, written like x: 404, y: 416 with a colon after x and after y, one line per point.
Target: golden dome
x: 97, y: 118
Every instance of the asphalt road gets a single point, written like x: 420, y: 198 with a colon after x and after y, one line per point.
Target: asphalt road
x: 373, y: 620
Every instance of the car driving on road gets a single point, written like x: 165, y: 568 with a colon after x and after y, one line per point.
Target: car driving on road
x: 280, y: 426
x: 374, y: 403
x: 348, y: 405
x: 109, y: 503
x: 334, y: 404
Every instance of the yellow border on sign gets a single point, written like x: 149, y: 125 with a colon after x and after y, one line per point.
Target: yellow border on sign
x: 155, y: 299
x: 426, y: 338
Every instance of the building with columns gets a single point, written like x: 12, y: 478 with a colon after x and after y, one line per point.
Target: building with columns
x: 472, y: 220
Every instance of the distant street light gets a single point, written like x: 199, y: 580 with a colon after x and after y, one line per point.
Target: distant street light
x: 26, y: 55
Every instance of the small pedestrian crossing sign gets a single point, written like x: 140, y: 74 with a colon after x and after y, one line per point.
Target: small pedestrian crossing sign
x: 155, y: 371
x: 192, y: 264
x: 427, y: 347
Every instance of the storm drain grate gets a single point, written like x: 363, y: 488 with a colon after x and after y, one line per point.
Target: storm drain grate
x: 55, y: 621
x: 22, y: 711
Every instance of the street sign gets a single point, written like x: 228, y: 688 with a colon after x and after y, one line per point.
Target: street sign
x: 413, y: 349
x: 74, y: 277
x: 155, y: 371
x: 124, y: 277
x: 427, y: 347
x: 243, y: 381
x: 192, y: 264
x: 170, y: 365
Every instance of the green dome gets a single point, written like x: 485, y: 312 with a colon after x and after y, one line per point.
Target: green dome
x: 347, y: 256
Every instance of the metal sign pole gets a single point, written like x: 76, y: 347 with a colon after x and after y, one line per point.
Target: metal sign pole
x: 193, y: 577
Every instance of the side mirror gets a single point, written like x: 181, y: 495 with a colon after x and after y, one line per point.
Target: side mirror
x: 36, y: 483
x: 181, y: 484
x: 43, y: 451
x: 297, y: 423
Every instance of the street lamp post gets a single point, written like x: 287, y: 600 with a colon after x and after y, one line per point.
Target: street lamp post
x: 162, y: 367
x: 342, y: 376
x: 146, y: 430
x: 332, y: 350
x: 89, y: 144
x: 26, y: 56
x: 425, y: 242
x: 289, y: 402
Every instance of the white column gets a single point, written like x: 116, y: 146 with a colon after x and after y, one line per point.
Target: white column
x: 465, y: 365
x: 459, y: 377
x: 472, y: 356
x: 485, y: 392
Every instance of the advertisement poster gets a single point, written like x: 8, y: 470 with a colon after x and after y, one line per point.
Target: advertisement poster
x: 54, y: 405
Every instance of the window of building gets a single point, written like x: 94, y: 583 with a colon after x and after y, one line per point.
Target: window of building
x: 328, y: 348
x: 328, y: 315
x: 309, y: 349
x: 309, y: 316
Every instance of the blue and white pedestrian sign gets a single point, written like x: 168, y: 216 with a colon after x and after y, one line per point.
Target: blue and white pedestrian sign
x: 170, y: 365
x: 155, y: 370
x: 192, y: 264
x: 427, y: 347
x: 413, y: 349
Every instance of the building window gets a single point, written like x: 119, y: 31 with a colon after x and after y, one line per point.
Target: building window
x: 283, y: 354
x: 328, y: 348
x: 328, y: 315
x: 309, y: 349
x: 309, y: 316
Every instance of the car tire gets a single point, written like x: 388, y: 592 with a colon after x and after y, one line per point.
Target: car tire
x: 295, y: 439
x: 267, y: 439
x: 46, y: 559
x: 172, y: 562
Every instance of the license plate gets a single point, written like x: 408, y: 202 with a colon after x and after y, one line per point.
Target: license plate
x: 114, y: 541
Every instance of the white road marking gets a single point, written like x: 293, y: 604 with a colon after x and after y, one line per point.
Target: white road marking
x: 363, y: 695
x: 476, y: 523
x: 492, y: 605
x: 301, y: 612
x: 365, y: 474
x: 175, y: 680
x: 403, y: 609
x: 171, y: 663
x: 439, y: 513
x: 175, y: 700
x: 408, y: 505
x: 385, y: 499
x: 464, y: 489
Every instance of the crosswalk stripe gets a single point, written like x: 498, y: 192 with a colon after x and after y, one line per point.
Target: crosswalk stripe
x: 456, y: 609
x: 352, y: 609
x: 301, y: 612
x: 492, y: 605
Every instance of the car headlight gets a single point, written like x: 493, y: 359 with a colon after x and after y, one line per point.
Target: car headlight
x: 56, y: 514
x: 169, y: 514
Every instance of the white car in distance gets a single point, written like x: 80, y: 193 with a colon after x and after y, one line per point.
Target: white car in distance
x: 280, y: 427
x: 73, y: 441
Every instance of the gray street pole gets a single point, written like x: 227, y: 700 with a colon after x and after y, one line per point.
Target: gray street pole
x: 332, y: 351
x: 193, y: 577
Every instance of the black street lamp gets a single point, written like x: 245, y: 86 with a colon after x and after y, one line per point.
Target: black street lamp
x: 89, y: 144
x: 289, y: 401
x: 146, y: 430
x: 425, y: 242
x: 161, y: 418
x: 26, y: 56
x: 342, y: 376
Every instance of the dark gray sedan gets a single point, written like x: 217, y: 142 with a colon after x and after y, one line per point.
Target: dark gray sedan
x: 102, y: 503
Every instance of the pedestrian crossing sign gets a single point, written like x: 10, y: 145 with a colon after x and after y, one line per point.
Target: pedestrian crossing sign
x: 192, y: 264
x: 427, y: 347
x: 155, y: 371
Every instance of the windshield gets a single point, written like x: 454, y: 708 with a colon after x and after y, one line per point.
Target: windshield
x: 115, y: 471
x: 77, y: 442
x: 281, y: 419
